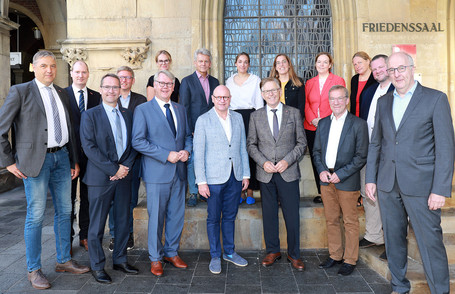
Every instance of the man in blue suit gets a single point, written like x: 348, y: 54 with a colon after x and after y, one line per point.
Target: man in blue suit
x: 106, y: 140
x: 81, y: 99
x: 195, y: 95
x: 162, y: 134
x: 222, y: 172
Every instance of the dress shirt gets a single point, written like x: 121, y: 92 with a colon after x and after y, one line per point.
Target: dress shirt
x: 77, y: 94
x: 374, y: 102
x: 226, y: 124
x: 400, y: 104
x: 279, y: 114
x: 163, y: 109
x: 125, y: 101
x: 336, y: 127
x: 49, y: 115
x: 111, y: 116
x: 205, y: 85
x: 246, y: 96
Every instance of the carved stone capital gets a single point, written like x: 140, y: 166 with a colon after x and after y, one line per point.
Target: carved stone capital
x: 135, y: 55
x: 71, y: 55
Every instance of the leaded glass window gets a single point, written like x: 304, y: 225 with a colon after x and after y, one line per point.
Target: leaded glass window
x: 264, y: 28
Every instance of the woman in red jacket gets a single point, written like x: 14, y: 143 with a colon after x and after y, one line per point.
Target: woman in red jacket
x: 317, y: 103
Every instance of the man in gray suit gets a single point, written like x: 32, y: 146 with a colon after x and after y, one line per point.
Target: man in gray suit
x: 276, y: 142
x: 222, y: 173
x: 410, y: 163
x: 340, y: 151
x: 43, y: 154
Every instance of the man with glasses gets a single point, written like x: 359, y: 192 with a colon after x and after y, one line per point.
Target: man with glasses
x: 222, y: 173
x: 340, y: 152
x: 195, y: 95
x: 161, y: 133
x: 410, y: 164
x: 129, y: 100
x: 106, y: 140
x: 276, y: 142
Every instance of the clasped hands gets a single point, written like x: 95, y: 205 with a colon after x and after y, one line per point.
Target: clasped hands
x: 327, y: 177
x: 175, y: 156
x: 121, y: 173
x: 271, y: 168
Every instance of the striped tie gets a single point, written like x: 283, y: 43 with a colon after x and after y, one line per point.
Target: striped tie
x: 55, y: 115
x: 81, y: 101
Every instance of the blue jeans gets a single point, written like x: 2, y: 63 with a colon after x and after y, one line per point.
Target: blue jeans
x: 191, y: 177
x: 55, y: 175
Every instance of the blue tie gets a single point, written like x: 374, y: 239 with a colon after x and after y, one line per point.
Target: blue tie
x: 119, y: 136
x: 81, y: 101
x: 55, y: 115
x: 170, y: 118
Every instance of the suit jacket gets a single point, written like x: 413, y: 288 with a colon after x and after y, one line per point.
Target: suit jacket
x: 24, y: 111
x: 153, y: 138
x: 367, y: 96
x: 135, y: 100
x: 98, y: 143
x: 420, y: 153
x: 355, y: 88
x: 93, y: 99
x: 351, y: 153
x: 290, y: 145
x: 192, y: 97
x: 316, y: 100
x: 295, y: 96
x: 214, y: 156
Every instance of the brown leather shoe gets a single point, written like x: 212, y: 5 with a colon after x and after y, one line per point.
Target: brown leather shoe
x: 71, y: 266
x: 38, y: 280
x: 176, y: 261
x: 296, y: 263
x: 270, y: 259
x: 157, y: 268
x: 84, y: 243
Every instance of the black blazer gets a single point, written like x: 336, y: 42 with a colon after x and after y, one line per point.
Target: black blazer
x: 135, y: 100
x: 192, y: 97
x: 295, y: 96
x: 351, y: 154
x: 175, y: 93
x: 98, y: 143
x: 367, y: 96
x: 354, y: 88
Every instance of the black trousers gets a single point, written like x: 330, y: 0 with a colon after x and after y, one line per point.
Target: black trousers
x: 310, y: 135
x: 84, y: 218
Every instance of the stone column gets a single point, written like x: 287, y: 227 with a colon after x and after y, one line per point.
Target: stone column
x: 6, y: 25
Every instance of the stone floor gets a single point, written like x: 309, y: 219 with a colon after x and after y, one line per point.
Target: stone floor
x: 280, y: 278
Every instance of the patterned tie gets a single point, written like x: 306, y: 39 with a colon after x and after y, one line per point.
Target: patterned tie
x: 81, y: 101
x: 55, y: 115
x: 170, y: 118
x: 119, y: 136
x: 276, y: 128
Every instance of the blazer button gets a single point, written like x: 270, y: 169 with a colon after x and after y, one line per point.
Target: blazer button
x: 393, y: 161
x: 45, y: 144
x: 396, y: 142
x: 45, y: 130
x: 229, y: 145
x: 229, y: 158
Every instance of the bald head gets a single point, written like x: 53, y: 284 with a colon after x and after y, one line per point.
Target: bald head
x: 221, y: 99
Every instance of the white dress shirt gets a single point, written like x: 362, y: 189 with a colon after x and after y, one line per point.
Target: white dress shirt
x: 246, y: 96
x: 279, y: 114
x: 226, y: 124
x: 77, y: 94
x: 49, y: 115
x: 374, y: 102
x: 163, y: 109
x: 336, y: 127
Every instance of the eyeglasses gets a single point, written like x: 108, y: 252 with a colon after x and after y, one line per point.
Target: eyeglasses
x: 332, y: 99
x: 164, y: 85
x: 107, y: 88
x: 282, y: 62
x: 222, y: 98
x: 125, y: 78
x: 166, y: 61
x: 401, y: 68
x: 268, y: 92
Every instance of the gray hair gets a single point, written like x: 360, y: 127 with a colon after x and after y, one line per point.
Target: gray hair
x: 126, y: 68
x: 166, y: 73
x: 269, y: 79
x: 202, y: 51
x: 339, y: 87
x: 109, y: 75
x: 43, y: 53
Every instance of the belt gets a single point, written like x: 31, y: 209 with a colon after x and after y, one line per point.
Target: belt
x: 331, y: 170
x: 54, y: 149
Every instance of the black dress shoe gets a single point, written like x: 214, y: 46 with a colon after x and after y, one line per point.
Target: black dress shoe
x: 101, y: 277
x: 346, y: 269
x: 126, y: 268
x: 317, y: 199
x: 329, y: 262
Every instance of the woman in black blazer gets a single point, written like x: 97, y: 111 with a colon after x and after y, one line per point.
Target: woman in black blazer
x: 361, y: 81
x: 292, y: 88
x: 163, y: 61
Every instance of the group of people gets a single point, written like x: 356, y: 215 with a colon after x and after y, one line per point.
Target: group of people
x: 394, y: 146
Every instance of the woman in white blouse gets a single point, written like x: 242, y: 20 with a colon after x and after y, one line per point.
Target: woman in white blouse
x: 246, y: 98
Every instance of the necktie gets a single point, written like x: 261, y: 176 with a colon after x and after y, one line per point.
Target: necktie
x: 119, y: 136
x: 55, y: 115
x: 276, y: 128
x: 170, y: 118
x: 81, y: 101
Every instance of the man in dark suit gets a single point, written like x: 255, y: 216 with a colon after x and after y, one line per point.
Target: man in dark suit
x: 106, y: 140
x: 128, y: 99
x: 340, y: 151
x: 162, y: 134
x: 43, y: 154
x: 369, y: 99
x: 276, y: 142
x: 410, y: 162
x: 81, y: 99
x: 195, y: 92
